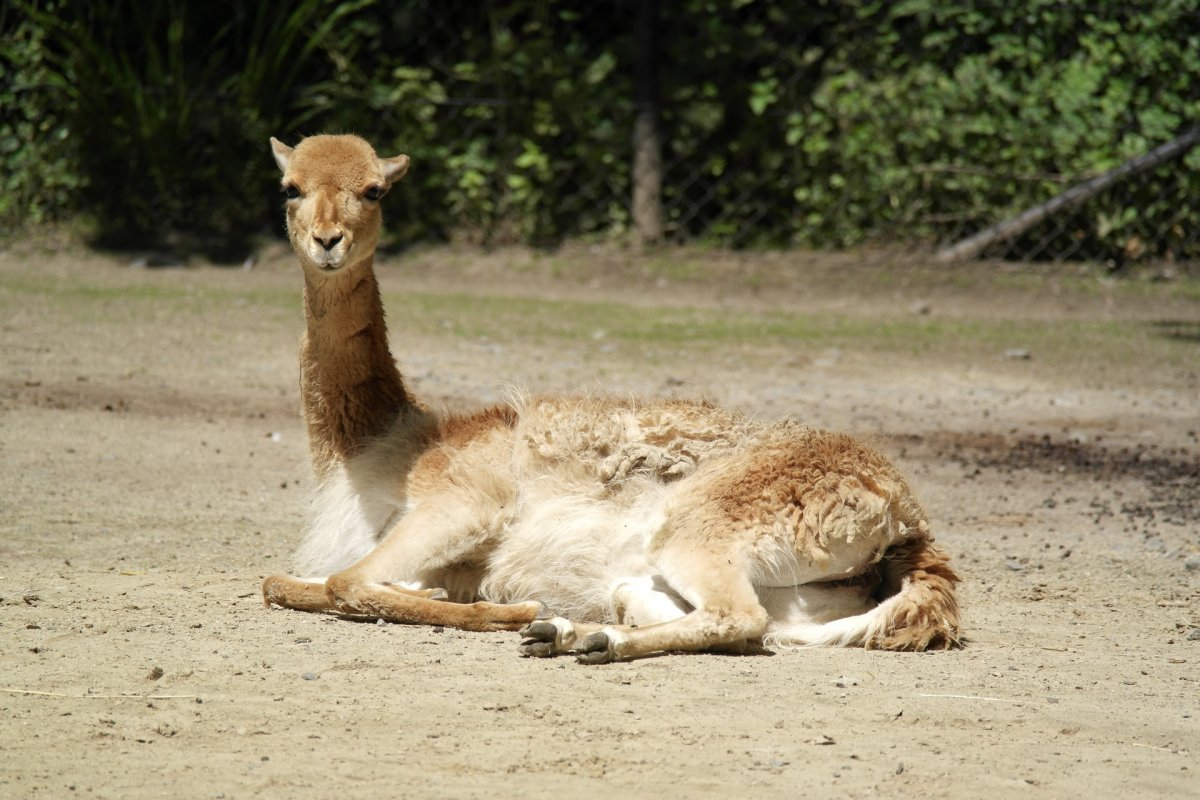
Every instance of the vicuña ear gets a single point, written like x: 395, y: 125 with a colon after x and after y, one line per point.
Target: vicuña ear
x: 283, y: 154
x: 393, y: 169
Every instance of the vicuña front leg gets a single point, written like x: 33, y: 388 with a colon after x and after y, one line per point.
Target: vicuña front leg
x: 302, y: 594
x: 352, y: 594
x: 347, y: 593
x: 442, y: 531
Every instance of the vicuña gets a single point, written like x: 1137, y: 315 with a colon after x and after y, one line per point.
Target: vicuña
x: 609, y: 528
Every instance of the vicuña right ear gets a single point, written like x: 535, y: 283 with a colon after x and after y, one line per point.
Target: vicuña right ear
x: 393, y: 169
x: 282, y: 153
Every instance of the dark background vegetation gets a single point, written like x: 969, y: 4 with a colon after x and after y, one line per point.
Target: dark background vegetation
x: 819, y: 124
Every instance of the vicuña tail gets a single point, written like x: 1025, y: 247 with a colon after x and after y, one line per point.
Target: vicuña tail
x: 919, y: 610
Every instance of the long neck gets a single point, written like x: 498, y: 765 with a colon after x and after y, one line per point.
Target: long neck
x: 349, y: 384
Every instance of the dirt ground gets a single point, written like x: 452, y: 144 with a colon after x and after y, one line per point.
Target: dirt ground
x: 153, y: 471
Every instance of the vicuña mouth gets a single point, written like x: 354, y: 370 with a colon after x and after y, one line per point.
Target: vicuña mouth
x: 332, y: 261
x: 329, y: 262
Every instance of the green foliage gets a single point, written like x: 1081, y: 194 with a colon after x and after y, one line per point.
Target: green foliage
x: 824, y: 123
x: 37, y: 179
x: 927, y: 118
x: 167, y: 114
x: 507, y: 113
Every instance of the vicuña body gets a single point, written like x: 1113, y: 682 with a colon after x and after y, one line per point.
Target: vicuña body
x: 646, y: 527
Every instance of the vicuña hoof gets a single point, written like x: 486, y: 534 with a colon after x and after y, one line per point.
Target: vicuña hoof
x: 540, y: 639
x: 596, y: 649
x: 547, y: 637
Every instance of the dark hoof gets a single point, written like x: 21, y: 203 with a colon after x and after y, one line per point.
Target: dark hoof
x: 540, y: 631
x: 594, y: 649
x: 540, y: 639
x: 533, y: 648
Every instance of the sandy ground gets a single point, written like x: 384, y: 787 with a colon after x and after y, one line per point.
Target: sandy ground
x: 153, y: 470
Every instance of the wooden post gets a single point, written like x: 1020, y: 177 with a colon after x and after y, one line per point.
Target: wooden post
x: 1010, y: 228
x: 647, y: 142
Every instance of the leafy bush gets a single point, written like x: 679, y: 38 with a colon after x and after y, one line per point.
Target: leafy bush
x: 167, y: 111
x: 824, y: 123
x: 940, y: 117
x: 38, y: 180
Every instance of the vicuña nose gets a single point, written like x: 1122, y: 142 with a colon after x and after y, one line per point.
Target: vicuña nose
x: 329, y: 242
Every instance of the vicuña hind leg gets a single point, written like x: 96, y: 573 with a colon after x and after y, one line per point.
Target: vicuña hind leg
x: 640, y: 601
x: 725, y: 615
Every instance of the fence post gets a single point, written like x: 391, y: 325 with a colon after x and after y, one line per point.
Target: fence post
x: 647, y: 143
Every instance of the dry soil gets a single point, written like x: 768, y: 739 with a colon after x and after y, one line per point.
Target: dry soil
x: 153, y: 470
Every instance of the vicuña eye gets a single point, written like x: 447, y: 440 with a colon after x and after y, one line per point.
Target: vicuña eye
x: 374, y: 193
x: 291, y: 191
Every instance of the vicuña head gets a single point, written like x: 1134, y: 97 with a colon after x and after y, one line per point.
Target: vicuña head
x: 333, y: 186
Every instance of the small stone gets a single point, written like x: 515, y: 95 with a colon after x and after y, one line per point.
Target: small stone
x: 155, y: 673
x: 900, y: 768
x: 309, y: 676
x: 1194, y: 635
x: 1192, y: 564
x: 1014, y: 565
x: 1017, y: 354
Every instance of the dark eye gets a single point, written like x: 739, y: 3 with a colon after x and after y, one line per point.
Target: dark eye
x: 372, y: 194
x: 291, y: 191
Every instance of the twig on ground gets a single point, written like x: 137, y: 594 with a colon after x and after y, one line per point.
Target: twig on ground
x: 971, y: 697
x: 101, y: 696
x: 1153, y: 747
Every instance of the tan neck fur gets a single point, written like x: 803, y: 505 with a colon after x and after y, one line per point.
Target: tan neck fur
x: 350, y: 387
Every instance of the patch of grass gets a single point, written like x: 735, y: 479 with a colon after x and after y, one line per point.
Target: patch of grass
x: 159, y: 296
x: 1068, y: 348
x: 674, y: 268
x: 1055, y: 346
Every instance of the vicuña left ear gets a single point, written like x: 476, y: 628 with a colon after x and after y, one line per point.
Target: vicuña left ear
x: 282, y: 153
x: 393, y: 169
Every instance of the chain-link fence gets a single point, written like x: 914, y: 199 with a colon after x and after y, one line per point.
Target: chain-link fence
x: 820, y: 124
x: 733, y: 123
